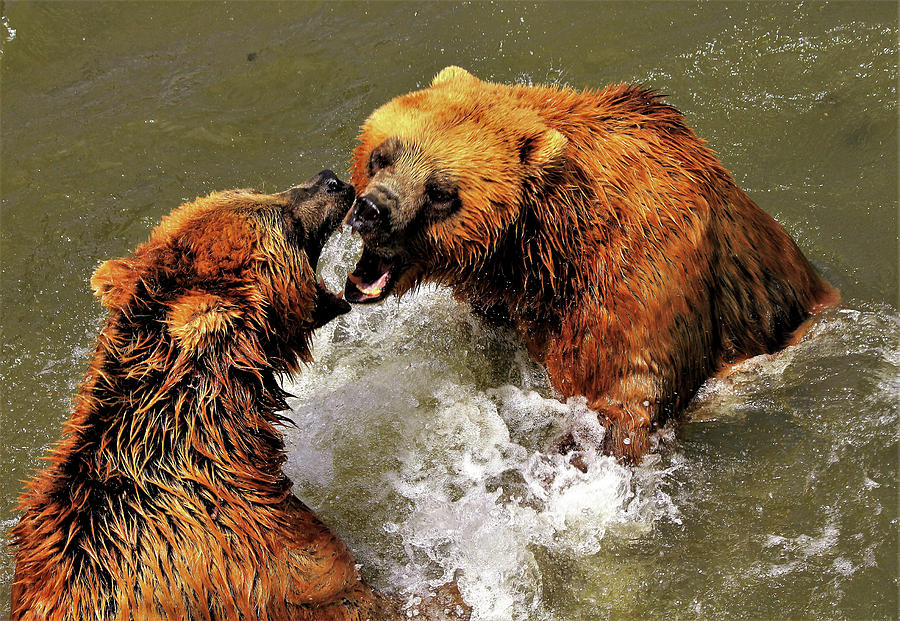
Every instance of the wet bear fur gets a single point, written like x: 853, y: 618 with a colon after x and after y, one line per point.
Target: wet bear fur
x: 166, y: 498
x: 595, y: 223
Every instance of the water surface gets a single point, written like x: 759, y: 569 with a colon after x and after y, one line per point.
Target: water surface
x: 420, y: 434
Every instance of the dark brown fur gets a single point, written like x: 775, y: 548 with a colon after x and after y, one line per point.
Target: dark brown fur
x: 594, y: 222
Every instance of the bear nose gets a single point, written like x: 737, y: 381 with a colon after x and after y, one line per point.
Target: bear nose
x: 365, y: 216
x: 330, y: 181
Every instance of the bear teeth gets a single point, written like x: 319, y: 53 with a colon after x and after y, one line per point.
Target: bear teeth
x: 371, y: 289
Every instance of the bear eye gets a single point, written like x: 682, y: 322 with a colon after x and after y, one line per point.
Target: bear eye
x: 441, y: 197
x: 378, y: 160
x: 384, y: 155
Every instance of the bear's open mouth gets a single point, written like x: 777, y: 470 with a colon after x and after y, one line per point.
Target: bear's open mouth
x: 372, y: 280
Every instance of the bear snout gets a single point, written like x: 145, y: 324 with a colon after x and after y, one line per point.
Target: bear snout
x: 329, y: 181
x: 339, y: 195
x: 367, y: 215
x: 325, y: 182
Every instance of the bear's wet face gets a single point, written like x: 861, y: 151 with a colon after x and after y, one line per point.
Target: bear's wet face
x: 274, y: 241
x: 314, y: 210
x: 440, y: 175
x: 311, y: 214
x: 393, y: 217
x: 382, y: 217
x: 237, y: 249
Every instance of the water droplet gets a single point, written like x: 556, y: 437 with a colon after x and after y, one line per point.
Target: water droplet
x: 626, y: 441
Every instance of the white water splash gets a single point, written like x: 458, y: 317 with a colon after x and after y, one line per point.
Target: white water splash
x: 10, y: 32
x: 424, y: 440
x: 482, y: 503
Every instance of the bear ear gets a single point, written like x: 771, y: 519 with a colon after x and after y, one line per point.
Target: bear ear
x: 199, y: 320
x: 452, y: 74
x: 114, y: 283
x: 543, y: 152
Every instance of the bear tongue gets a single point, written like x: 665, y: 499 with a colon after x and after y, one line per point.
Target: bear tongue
x: 373, y: 289
x: 370, y: 281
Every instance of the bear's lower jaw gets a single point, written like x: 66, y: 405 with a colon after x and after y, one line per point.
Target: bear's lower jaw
x: 372, y: 280
x: 328, y: 305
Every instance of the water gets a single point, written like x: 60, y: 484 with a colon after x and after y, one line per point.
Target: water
x: 421, y: 435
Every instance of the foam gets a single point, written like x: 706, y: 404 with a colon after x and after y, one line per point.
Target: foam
x: 423, y: 439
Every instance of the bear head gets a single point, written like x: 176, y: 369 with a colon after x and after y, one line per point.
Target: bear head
x: 232, y: 262
x: 441, y: 174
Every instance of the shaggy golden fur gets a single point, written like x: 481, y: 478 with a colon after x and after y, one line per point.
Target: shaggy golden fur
x: 595, y: 222
x: 165, y: 498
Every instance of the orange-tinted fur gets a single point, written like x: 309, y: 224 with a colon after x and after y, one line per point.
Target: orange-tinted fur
x: 165, y: 498
x: 596, y: 223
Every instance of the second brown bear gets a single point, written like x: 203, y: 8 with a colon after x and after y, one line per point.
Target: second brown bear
x: 595, y: 223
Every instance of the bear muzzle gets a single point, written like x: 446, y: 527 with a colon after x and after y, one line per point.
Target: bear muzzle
x: 315, y: 209
x: 378, y: 217
x: 366, y: 216
x: 321, y: 204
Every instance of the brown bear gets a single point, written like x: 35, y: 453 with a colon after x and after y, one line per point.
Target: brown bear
x: 594, y: 222
x: 166, y: 498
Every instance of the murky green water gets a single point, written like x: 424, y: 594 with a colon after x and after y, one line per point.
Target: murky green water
x: 420, y: 433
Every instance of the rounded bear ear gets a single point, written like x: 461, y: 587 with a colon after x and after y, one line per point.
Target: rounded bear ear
x: 543, y: 152
x: 199, y: 320
x: 114, y: 283
x: 451, y: 74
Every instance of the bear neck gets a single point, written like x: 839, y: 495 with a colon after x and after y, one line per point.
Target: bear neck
x: 541, y: 282
x: 152, y: 419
